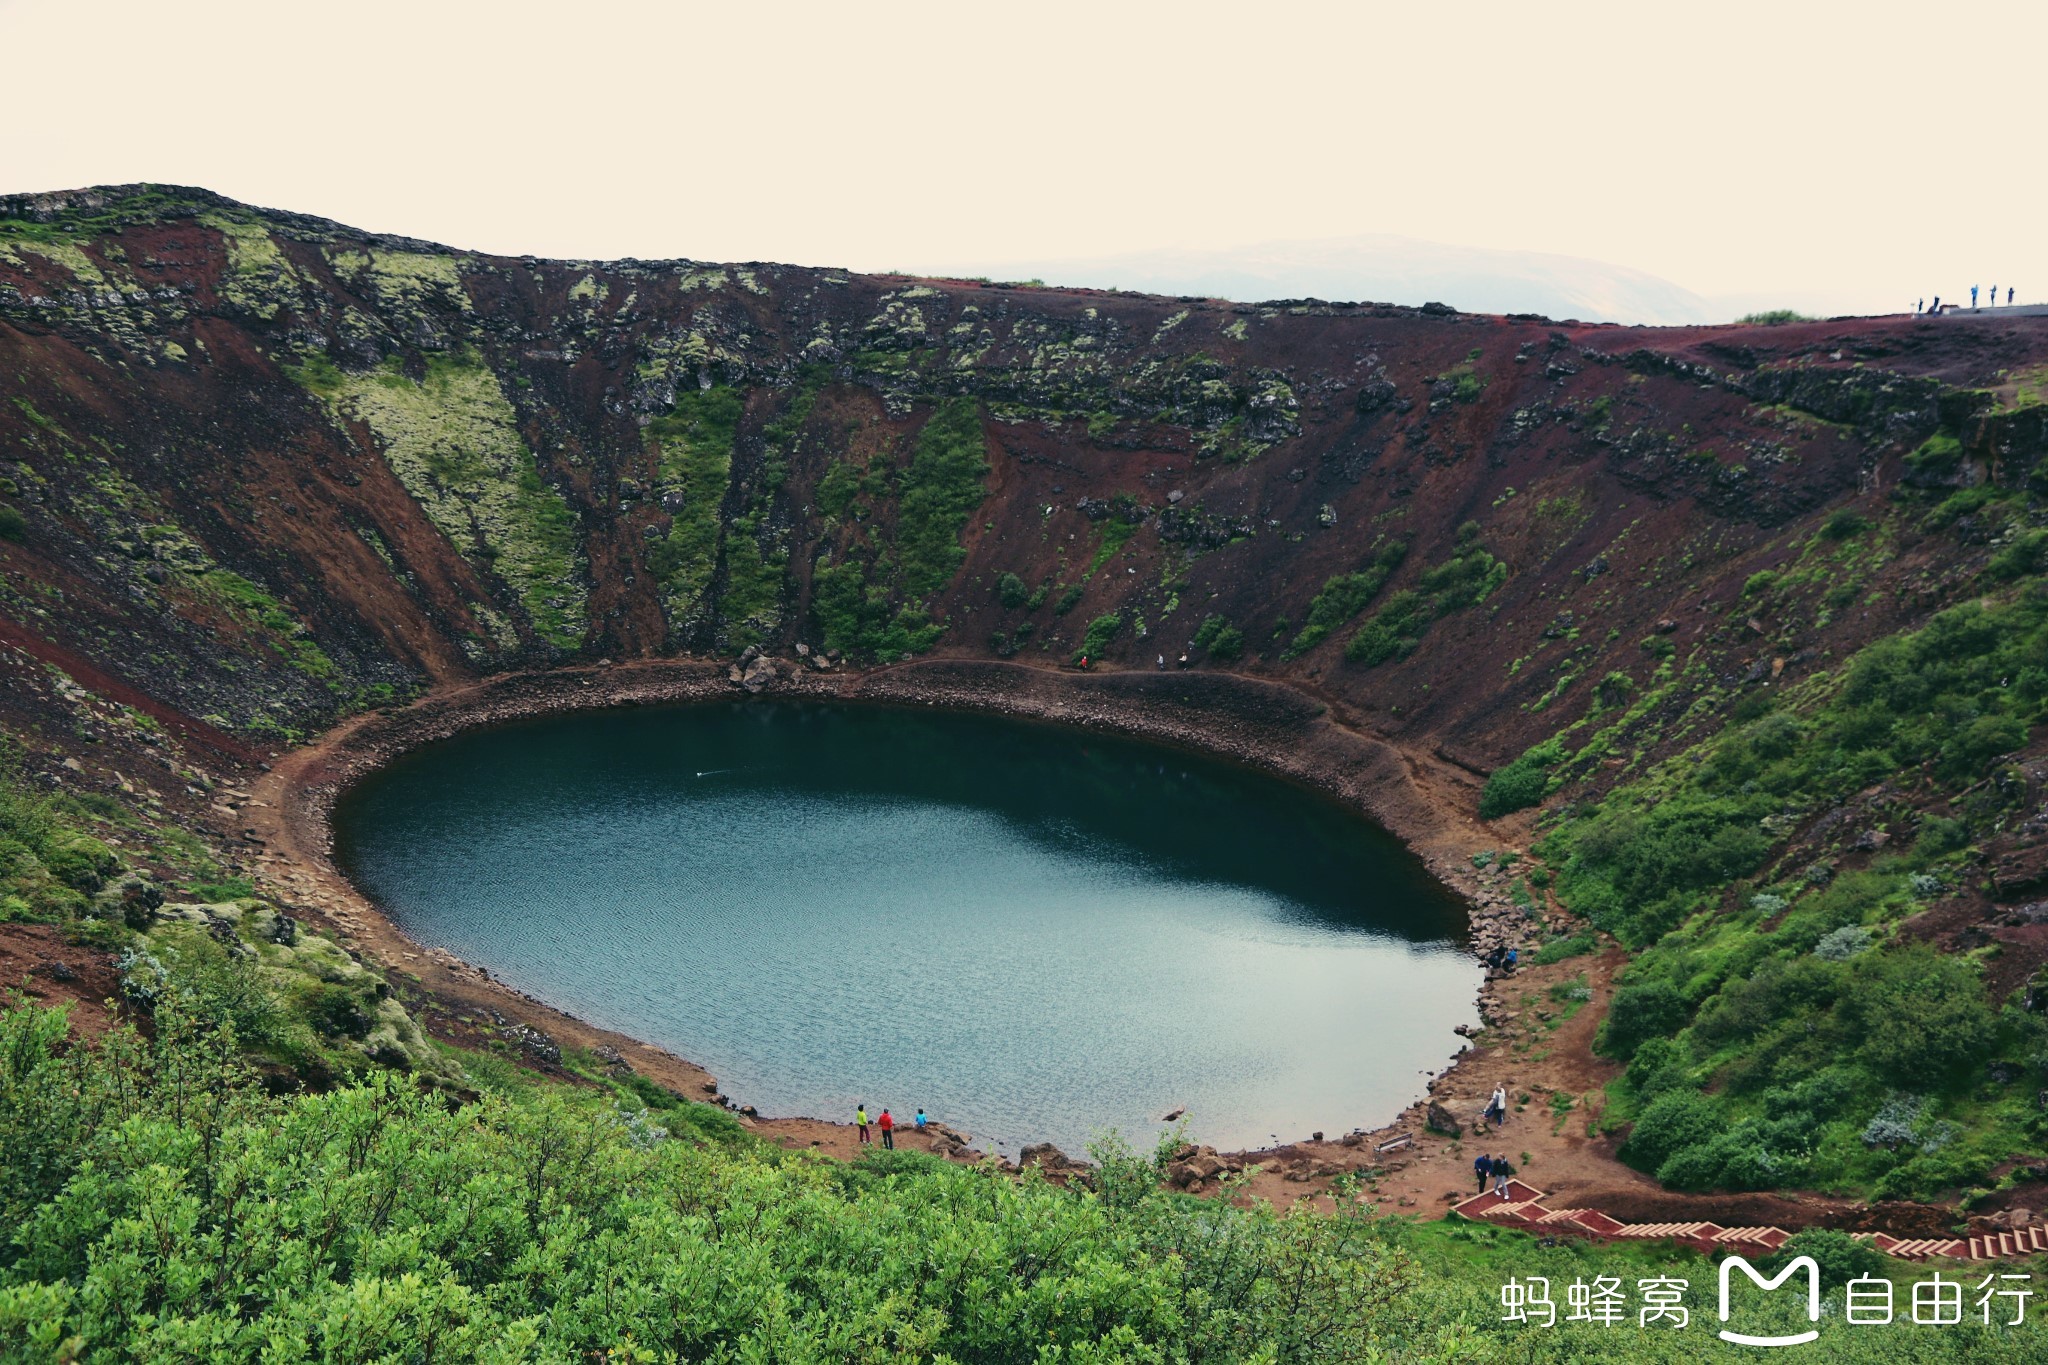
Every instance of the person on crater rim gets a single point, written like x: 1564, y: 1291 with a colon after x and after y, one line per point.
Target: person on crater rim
x: 919, y: 1120
x: 860, y: 1121
x: 887, y: 1124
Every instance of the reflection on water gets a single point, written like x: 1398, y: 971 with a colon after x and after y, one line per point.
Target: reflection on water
x: 1033, y: 933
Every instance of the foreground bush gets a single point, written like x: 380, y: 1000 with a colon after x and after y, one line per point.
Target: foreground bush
x: 164, y: 1208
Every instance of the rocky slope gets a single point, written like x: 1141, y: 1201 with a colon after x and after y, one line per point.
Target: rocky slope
x: 259, y: 471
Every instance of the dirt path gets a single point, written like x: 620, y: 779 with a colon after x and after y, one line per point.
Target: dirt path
x: 1539, y: 1035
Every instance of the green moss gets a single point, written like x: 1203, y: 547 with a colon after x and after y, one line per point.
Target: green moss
x: 259, y: 276
x: 695, y: 443
x: 1112, y: 533
x: 1937, y: 456
x: 940, y: 492
x: 268, y: 615
x: 453, y: 441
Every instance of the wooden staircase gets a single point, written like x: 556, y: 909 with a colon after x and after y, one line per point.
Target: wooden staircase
x: 1523, y: 1207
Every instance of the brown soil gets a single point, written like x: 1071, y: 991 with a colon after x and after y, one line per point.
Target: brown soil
x: 38, y: 962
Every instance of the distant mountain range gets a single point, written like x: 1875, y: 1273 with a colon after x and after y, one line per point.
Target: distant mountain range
x: 1390, y: 269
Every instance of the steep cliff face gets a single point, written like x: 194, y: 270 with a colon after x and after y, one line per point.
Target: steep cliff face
x: 268, y: 469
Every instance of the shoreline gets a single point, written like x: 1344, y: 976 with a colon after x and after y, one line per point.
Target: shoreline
x: 1425, y: 802
x: 1266, y: 727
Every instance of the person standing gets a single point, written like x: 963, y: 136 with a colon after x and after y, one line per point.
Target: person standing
x: 860, y: 1121
x: 1501, y: 1172
x: 888, y: 1127
x: 1991, y: 299
x: 1482, y: 1166
x: 1918, y: 307
x: 1973, y: 296
x: 1500, y: 1106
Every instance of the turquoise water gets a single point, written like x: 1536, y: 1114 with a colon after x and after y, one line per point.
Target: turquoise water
x: 1035, y: 933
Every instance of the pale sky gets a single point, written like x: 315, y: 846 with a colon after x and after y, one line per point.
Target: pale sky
x: 1877, y: 149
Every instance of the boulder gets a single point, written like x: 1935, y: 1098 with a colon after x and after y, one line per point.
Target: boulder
x: 132, y: 899
x: 758, y: 674
x: 1049, y: 1157
x: 1440, y: 1120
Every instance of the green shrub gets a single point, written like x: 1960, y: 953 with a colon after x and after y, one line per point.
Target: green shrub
x: 1841, y: 1258
x: 1641, y: 1011
x: 13, y: 526
x: 1068, y: 600
x: 543, y: 1223
x: 1558, y: 949
x: 1523, y: 782
x: 2022, y: 557
x: 1344, y: 596
x: 1011, y: 591
x: 1843, y: 524
x: 79, y: 861
x: 1920, y: 1016
x: 1772, y: 317
x: 1392, y: 632
x: 1671, y: 1123
x: 1467, y: 578
x: 1096, y: 638
x: 1939, y: 834
x: 940, y: 490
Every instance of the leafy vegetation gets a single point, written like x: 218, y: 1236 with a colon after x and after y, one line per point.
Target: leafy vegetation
x: 1522, y: 783
x: 1467, y: 578
x: 1219, y: 638
x: 1344, y: 596
x: 1774, y: 317
x: 164, y: 1206
x: 1773, y: 1013
x: 870, y: 600
x: 696, y: 439
x: 1096, y: 638
x: 940, y: 490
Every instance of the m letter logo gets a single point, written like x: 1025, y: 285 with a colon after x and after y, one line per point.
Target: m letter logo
x: 1805, y: 1263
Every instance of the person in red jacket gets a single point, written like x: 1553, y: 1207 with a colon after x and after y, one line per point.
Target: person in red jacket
x: 887, y: 1124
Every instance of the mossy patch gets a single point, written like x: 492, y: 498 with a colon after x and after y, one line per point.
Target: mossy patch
x: 452, y: 440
